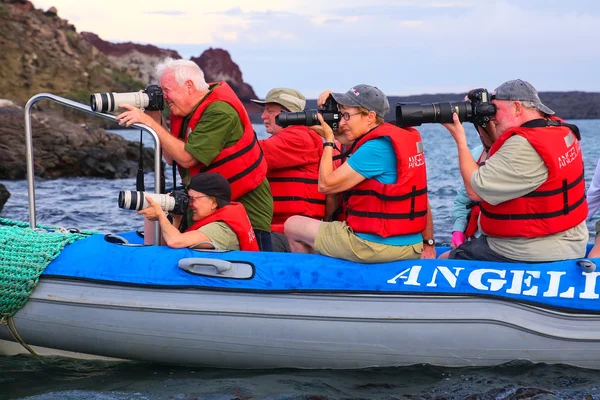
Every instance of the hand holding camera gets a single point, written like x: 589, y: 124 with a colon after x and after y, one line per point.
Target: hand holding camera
x: 153, y: 211
x: 329, y: 113
x: 132, y: 116
x: 456, y: 129
x: 323, y: 98
x: 323, y: 129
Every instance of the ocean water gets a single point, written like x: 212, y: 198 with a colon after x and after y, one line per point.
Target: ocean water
x: 87, y: 203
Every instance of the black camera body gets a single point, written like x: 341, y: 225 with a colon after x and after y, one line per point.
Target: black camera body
x: 176, y: 202
x: 331, y: 116
x: 478, y: 110
x: 150, y: 99
x: 156, y: 100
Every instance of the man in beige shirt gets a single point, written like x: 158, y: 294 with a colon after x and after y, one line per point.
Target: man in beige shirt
x: 531, y: 188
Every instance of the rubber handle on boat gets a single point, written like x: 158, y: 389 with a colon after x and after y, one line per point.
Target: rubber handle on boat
x: 587, y: 265
x: 206, y: 266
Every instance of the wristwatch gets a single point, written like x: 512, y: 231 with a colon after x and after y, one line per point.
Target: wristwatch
x: 429, y: 242
x: 325, y: 144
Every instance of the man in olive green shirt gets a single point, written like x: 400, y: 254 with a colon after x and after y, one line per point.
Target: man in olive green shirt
x: 219, y: 127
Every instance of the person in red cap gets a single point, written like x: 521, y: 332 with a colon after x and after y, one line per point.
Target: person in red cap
x: 218, y: 222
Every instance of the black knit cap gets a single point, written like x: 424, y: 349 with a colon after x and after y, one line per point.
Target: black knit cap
x: 212, y: 184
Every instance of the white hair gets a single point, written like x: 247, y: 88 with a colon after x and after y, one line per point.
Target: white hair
x: 183, y: 70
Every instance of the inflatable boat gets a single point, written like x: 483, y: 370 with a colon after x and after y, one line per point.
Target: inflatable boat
x: 118, y: 298
x: 114, y: 297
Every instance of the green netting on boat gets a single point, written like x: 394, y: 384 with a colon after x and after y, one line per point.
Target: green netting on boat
x: 24, y: 254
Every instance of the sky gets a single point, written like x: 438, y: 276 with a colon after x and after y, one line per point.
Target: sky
x: 403, y: 47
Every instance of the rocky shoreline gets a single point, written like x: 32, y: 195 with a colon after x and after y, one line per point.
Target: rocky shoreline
x: 4, y: 196
x: 65, y: 149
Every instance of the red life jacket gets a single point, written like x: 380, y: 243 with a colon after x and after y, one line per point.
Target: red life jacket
x: 392, y: 209
x: 235, y: 216
x: 242, y: 164
x: 559, y: 203
x: 295, y: 190
x: 472, y: 220
x: 473, y: 217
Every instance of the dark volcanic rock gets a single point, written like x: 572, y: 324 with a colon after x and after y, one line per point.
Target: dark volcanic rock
x: 62, y: 148
x: 4, y: 196
x: 217, y: 65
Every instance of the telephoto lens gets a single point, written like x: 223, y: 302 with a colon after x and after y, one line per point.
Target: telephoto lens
x: 131, y: 200
x: 110, y: 102
x: 415, y: 114
x: 306, y: 118
x: 151, y: 99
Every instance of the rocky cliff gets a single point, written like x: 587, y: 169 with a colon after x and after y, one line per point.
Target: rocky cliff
x: 4, y: 196
x: 137, y: 60
x: 217, y: 65
x: 40, y: 52
x: 140, y: 62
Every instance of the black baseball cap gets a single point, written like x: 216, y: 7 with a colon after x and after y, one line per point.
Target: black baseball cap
x: 212, y: 184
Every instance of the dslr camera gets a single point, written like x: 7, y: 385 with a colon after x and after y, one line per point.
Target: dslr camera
x: 150, y: 99
x: 330, y: 113
x: 478, y: 110
x: 176, y: 202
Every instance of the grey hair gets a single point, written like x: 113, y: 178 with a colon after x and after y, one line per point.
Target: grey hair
x: 528, y: 104
x: 184, y: 70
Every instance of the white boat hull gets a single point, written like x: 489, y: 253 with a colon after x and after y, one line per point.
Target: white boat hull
x: 243, y: 330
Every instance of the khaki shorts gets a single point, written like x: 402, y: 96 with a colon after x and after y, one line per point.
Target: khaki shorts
x: 336, y: 239
x: 598, y: 229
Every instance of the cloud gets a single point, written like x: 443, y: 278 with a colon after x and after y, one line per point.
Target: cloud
x: 165, y: 12
x: 400, y: 46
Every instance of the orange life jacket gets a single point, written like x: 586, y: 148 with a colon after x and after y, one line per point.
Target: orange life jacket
x: 236, y: 217
x: 242, y: 164
x: 559, y: 203
x: 295, y: 190
x: 392, y: 209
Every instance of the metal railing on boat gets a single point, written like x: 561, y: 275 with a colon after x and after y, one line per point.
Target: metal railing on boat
x: 86, y: 109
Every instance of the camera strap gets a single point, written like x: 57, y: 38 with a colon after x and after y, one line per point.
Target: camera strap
x: 542, y: 123
x: 139, y: 180
x: 174, y: 171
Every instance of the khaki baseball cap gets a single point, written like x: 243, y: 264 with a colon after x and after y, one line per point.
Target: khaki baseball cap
x: 290, y: 99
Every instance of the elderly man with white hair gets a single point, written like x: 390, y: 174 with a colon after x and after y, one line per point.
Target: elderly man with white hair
x: 210, y: 131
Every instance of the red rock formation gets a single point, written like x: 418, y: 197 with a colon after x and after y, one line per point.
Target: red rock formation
x: 139, y: 60
x: 217, y: 65
x: 120, y: 49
